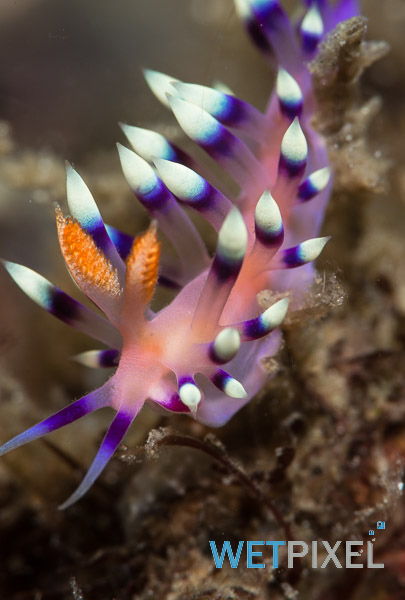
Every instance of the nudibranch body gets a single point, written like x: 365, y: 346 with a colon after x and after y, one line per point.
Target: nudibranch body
x: 201, y: 354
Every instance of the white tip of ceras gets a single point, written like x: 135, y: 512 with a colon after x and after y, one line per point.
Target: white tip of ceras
x: 294, y: 147
x: 289, y: 93
x: 34, y: 285
x: 160, y: 84
x: 140, y: 176
x: 226, y: 345
x: 90, y: 358
x: 222, y: 87
x: 313, y: 185
x: 275, y: 314
x: 213, y: 101
x: 195, y: 122
x: 311, y: 249
x: 302, y: 254
x: 268, y: 221
x: 233, y: 237
x: 312, y: 23
x: 190, y: 395
x: 320, y: 179
x: 182, y: 181
x: 147, y: 143
x: 81, y: 203
x: 243, y: 9
x: 311, y: 29
x: 234, y: 389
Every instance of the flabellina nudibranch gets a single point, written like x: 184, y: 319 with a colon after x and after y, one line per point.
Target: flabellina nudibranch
x: 176, y: 359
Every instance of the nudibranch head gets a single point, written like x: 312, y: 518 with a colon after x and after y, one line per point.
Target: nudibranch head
x: 202, y: 353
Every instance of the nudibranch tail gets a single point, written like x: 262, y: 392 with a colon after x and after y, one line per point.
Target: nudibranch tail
x: 268, y: 236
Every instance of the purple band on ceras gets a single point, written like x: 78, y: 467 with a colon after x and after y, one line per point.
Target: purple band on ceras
x: 290, y: 167
x: 293, y: 152
x: 311, y: 29
x: 265, y: 18
x: 109, y: 358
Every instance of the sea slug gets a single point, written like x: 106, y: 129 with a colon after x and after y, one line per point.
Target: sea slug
x: 201, y: 354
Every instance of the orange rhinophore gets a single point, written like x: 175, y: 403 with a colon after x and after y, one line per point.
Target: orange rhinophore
x: 143, y: 264
x: 85, y: 261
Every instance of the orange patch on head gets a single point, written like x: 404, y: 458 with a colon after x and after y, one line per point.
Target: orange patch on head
x: 85, y: 261
x: 143, y: 264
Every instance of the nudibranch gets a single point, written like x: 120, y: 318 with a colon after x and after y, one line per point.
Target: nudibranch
x: 201, y: 354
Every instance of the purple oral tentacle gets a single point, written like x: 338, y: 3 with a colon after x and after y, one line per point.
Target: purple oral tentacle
x: 78, y: 409
x: 110, y: 443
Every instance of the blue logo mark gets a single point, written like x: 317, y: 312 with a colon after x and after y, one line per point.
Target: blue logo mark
x: 371, y: 532
x: 380, y: 524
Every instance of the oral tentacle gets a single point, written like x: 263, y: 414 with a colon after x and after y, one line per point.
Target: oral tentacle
x: 114, y: 436
x: 100, y: 398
